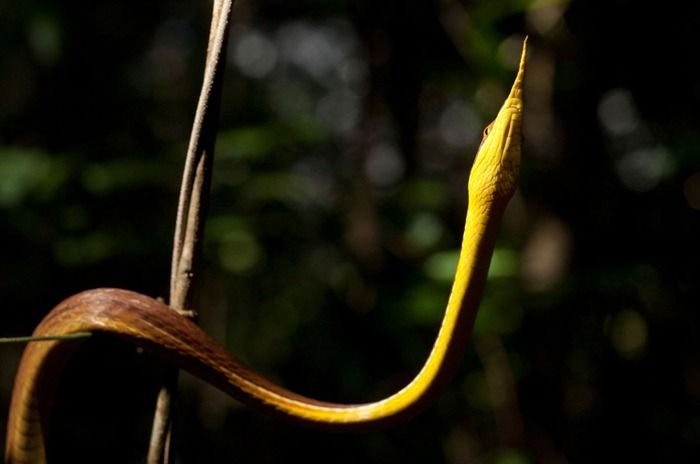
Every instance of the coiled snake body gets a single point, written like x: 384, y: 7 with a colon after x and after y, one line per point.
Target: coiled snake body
x: 147, y: 322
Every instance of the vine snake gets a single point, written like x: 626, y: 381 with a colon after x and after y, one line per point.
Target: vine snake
x: 150, y: 324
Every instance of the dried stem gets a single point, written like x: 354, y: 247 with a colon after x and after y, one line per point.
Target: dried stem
x: 197, y: 174
x: 191, y: 211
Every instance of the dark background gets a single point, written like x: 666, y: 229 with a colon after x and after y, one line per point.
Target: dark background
x: 347, y: 131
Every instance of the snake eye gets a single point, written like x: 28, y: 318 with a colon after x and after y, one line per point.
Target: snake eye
x: 487, y: 129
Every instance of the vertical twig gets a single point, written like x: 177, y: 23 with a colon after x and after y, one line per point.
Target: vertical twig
x: 191, y: 211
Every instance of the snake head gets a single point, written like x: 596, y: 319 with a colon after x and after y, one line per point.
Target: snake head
x: 495, y: 171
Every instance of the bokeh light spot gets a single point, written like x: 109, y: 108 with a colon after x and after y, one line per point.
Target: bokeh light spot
x: 254, y: 54
x: 546, y: 255
x: 641, y: 170
x: 424, y: 231
x: 459, y: 124
x: 384, y: 166
x: 617, y: 112
x: 629, y: 334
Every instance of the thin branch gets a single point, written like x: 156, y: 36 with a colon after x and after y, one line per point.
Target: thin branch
x: 191, y: 211
x: 45, y: 338
x: 196, y: 174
